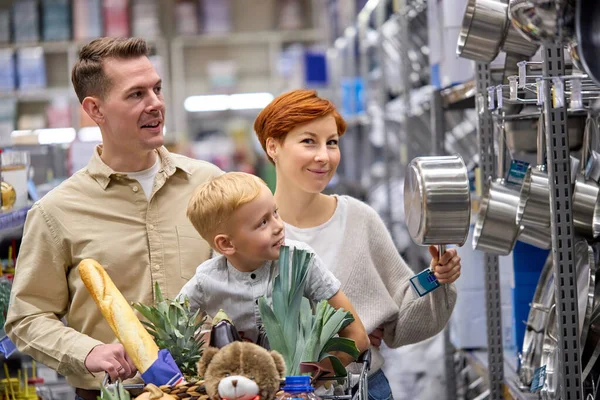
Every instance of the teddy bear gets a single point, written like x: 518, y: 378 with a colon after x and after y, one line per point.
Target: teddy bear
x: 241, y: 371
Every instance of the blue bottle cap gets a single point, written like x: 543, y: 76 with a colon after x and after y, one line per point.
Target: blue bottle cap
x: 298, y: 384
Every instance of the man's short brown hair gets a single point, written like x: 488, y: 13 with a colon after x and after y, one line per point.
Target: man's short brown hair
x: 88, y: 75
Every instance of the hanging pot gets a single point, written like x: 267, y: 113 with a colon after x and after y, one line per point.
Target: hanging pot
x: 521, y: 130
x: 587, y: 25
x: 486, y: 30
x: 543, y: 20
x: 496, y: 230
x: 437, y: 200
x: 586, y: 210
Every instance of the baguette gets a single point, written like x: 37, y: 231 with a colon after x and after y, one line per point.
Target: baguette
x: 138, y: 343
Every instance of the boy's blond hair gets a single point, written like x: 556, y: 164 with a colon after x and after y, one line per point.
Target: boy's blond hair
x: 213, y: 202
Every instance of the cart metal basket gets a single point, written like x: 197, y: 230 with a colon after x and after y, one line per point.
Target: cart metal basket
x: 353, y: 386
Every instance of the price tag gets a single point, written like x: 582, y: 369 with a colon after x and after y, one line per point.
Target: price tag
x: 541, y: 91
x: 517, y: 171
x: 480, y: 99
x: 424, y: 282
x: 558, y: 93
x: 522, y: 73
x: 539, y: 378
x: 513, y: 83
x: 499, y: 95
x: 491, y: 102
x: 576, y: 98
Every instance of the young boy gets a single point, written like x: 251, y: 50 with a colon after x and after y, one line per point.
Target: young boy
x: 236, y: 214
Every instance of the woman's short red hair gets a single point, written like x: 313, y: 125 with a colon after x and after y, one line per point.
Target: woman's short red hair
x: 291, y: 109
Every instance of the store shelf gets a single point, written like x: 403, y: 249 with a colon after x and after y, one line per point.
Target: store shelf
x: 49, y: 47
x: 459, y: 97
x: 59, y: 47
x: 38, y: 95
x: 479, y: 362
x: 245, y: 38
x: 12, y: 223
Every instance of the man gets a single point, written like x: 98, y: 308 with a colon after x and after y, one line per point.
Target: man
x: 126, y: 210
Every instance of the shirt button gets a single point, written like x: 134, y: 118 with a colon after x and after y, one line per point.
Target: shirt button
x: 253, y: 276
x: 156, y: 267
x: 135, y: 189
x: 151, y: 227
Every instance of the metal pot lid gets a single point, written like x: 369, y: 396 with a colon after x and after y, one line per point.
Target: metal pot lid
x: 536, y: 322
x: 540, y: 315
x: 550, y: 357
x: 591, y: 348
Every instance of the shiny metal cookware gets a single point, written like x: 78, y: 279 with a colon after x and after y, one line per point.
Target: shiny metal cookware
x: 536, y: 323
x: 534, y: 198
x: 587, y: 23
x: 591, y: 350
x: 550, y: 357
x: 541, y: 312
x: 486, y: 30
x: 543, y: 20
x: 496, y: 230
x: 521, y: 130
x: 586, y: 192
x: 437, y: 200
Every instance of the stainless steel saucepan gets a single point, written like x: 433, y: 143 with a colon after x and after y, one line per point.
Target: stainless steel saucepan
x: 437, y: 201
x: 486, y: 30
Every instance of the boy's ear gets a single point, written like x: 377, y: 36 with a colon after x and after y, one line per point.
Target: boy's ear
x: 224, y: 245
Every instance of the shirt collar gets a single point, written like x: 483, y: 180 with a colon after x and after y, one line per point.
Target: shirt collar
x: 103, y: 174
x: 256, y: 275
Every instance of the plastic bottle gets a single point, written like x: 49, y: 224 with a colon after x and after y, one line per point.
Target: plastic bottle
x: 298, y: 387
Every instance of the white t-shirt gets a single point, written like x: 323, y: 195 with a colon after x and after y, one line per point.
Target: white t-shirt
x: 326, y: 238
x: 146, y: 177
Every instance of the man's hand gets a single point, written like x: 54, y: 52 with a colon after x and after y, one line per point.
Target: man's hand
x: 376, y: 336
x: 111, y: 358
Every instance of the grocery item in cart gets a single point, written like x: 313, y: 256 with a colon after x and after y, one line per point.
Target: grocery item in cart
x: 157, y: 366
x: 241, y: 371
x: 298, y: 387
x: 176, y: 328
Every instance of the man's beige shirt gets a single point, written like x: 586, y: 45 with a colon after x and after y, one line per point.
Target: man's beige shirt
x: 105, y: 216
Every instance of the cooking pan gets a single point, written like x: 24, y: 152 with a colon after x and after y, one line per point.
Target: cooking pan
x: 587, y: 26
x: 437, y: 201
x: 486, y: 30
x: 542, y: 21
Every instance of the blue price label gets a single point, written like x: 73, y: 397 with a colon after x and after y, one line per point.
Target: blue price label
x: 424, y: 282
x: 517, y: 171
x: 539, y: 378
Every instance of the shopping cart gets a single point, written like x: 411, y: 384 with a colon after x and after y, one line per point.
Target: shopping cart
x: 354, y: 386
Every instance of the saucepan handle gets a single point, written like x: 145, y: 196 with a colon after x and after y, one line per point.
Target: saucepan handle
x: 441, y: 250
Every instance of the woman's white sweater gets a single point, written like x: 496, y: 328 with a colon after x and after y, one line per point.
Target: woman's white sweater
x: 376, y: 280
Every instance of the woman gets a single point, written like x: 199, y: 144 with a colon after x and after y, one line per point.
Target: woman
x: 300, y: 134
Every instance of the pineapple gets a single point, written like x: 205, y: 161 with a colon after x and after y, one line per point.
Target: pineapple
x: 174, y: 328
x: 292, y: 328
